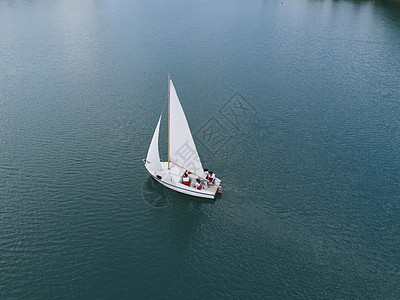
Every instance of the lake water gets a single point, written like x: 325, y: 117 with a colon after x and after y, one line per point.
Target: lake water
x: 294, y: 104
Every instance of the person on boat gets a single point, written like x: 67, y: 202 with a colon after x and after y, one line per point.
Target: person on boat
x: 186, y: 179
x: 197, y: 184
x: 211, y: 178
x: 204, y: 180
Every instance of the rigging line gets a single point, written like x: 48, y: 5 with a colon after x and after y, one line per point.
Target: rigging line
x: 189, y: 171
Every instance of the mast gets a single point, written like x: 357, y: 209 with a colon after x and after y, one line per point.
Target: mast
x: 169, y: 109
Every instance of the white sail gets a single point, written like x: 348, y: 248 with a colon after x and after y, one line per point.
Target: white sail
x: 182, y: 148
x: 153, y: 158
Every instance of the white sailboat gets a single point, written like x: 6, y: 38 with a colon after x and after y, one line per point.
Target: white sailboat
x: 182, y: 154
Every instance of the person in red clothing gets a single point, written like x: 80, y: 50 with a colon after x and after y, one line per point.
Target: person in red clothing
x: 206, y: 174
x: 204, y: 180
x: 211, y: 177
x: 197, y: 184
x: 186, y: 179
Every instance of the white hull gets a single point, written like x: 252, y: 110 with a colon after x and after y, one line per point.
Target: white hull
x: 171, y: 179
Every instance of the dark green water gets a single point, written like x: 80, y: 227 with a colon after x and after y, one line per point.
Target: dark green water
x: 303, y: 98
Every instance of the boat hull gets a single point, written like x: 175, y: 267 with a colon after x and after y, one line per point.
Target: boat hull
x: 170, y: 180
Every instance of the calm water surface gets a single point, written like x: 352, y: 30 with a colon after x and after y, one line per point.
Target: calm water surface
x: 310, y: 169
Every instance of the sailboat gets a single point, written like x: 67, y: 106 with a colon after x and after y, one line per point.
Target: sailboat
x: 182, y: 154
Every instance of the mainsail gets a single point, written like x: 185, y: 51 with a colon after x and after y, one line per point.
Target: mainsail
x: 182, y: 148
x: 153, y: 157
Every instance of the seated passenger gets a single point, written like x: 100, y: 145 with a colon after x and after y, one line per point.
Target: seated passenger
x: 206, y: 173
x: 204, y: 180
x: 211, y: 178
x: 197, y: 184
x: 186, y: 179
